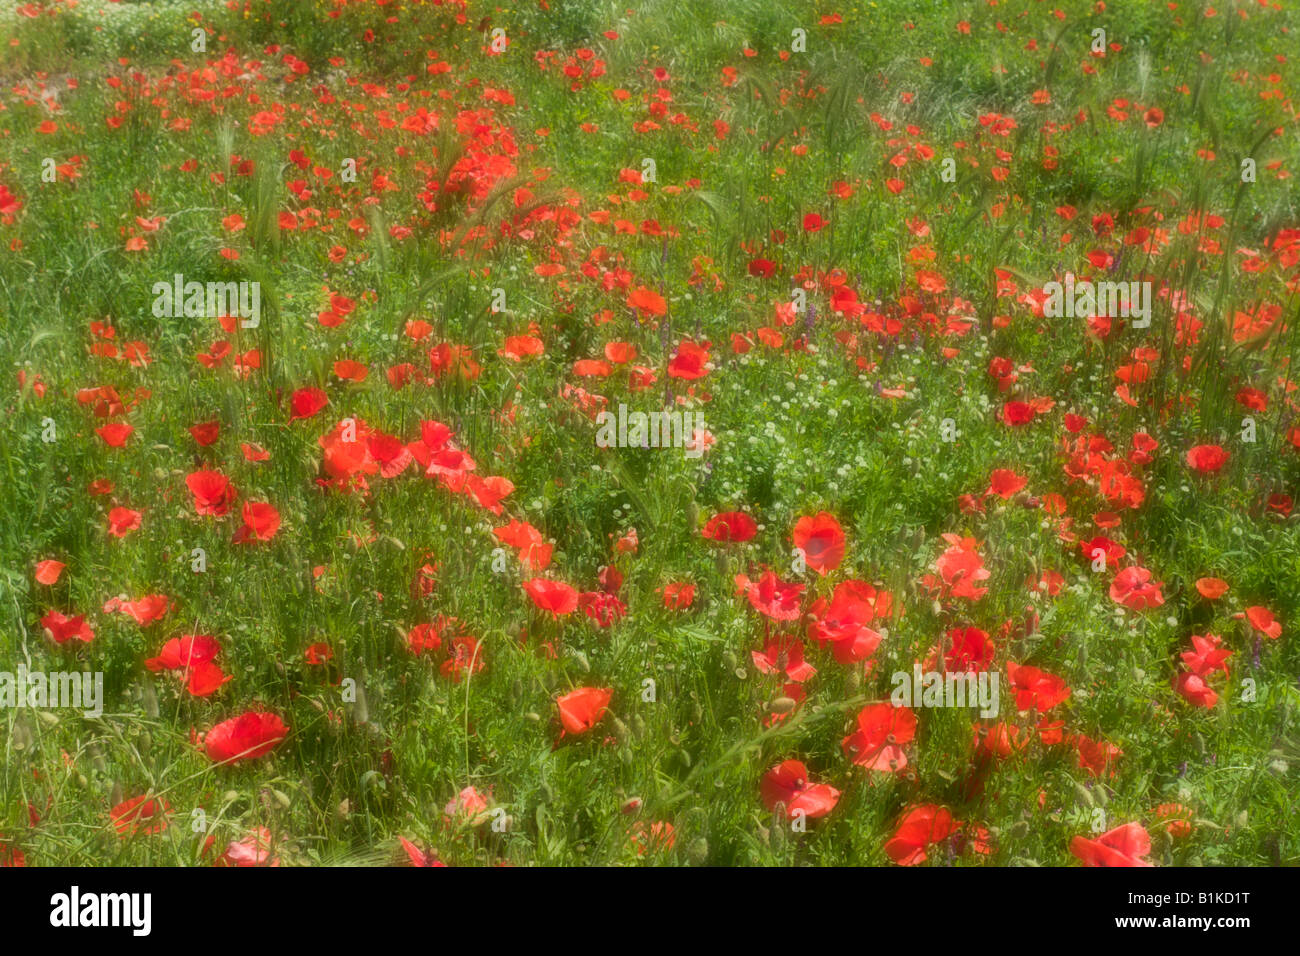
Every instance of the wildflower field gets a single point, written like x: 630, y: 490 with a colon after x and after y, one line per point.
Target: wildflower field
x: 723, y: 432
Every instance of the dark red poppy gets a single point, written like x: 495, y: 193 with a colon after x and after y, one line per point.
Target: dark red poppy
x: 730, y: 526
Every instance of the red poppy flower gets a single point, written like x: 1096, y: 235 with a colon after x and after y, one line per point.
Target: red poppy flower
x: 592, y: 368
x: 114, y: 435
x: 122, y: 521
x: 1017, y: 413
x: 920, y: 827
x: 518, y: 347
x: 417, y: 856
x: 1176, y: 818
x: 252, y: 850
x: 205, y: 679
x: 351, y: 370
x: 261, y: 522
x: 254, y: 453
x: 822, y: 541
x: 784, y: 656
x: 488, y: 492
x: 465, y: 655
x: 813, y: 222
x: 657, y: 837
x: 771, y: 596
x: 678, y: 596
x: 142, y: 814
x: 534, y: 551
x: 1211, y: 588
x: 582, y: 709
x: 1004, y: 483
x: 48, y: 571
x: 1134, y: 589
x: 62, y: 628
x: 1111, y: 551
x: 1096, y: 756
x: 1123, y: 846
x: 188, y: 651
x: 318, y: 654
x: 1035, y: 688
x: 787, y: 784
x: 554, y: 596
x: 144, y: 611
x: 730, y: 526
x: 425, y: 637
x: 306, y: 402
x: 1207, y: 459
x: 206, y: 433
x: 960, y: 567
x: 690, y: 362
x: 1207, y: 655
x: 246, y: 737
x: 1194, y: 689
x: 883, y: 730
x: 843, y: 622
x: 647, y: 301
x: 969, y: 649
x: 602, y: 607
x: 620, y: 353
x: 213, y: 493
x: 1262, y: 620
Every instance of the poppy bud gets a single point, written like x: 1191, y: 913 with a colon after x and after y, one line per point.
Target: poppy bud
x: 48, y: 717
x: 698, y: 852
x: 630, y: 805
x: 149, y: 698
x: 782, y: 705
